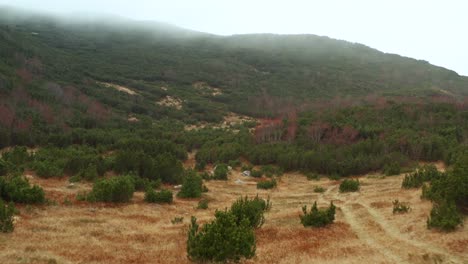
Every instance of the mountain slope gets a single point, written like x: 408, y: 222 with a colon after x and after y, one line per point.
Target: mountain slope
x: 208, y: 74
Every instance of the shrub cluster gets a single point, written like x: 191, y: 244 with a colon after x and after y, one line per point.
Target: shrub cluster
x: 17, y: 189
x: 349, y: 185
x: 230, y: 236
x: 203, y: 204
x: 319, y: 189
x: 421, y: 175
x: 6, y: 217
x: 444, y: 216
x: 267, y: 184
x: 399, y: 207
x: 221, y: 240
x: 318, y: 217
x: 392, y: 169
x: 270, y: 170
x: 251, y: 209
x: 163, y: 196
x: 221, y: 172
x: 447, y: 193
x: 256, y: 173
x: 118, y: 189
x: 192, y: 185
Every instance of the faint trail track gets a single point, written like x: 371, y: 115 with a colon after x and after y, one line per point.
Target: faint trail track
x: 370, y: 226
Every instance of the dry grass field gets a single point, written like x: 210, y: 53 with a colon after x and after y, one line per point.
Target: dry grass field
x: 365, y: 230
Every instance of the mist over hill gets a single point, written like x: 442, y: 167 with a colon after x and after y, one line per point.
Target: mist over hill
x: 208, y: 75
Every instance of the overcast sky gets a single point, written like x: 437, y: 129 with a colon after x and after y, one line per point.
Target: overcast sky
x: 433, y: 30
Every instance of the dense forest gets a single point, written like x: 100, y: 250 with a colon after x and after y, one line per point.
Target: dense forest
x: 322, y: 106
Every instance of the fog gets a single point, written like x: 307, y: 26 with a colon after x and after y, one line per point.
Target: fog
x: 430, y: 30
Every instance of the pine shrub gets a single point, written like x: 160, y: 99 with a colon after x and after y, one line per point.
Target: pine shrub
x: 251, y: 209
x: 18, y: 189
x: 421, y: 175
x: 267, y: 184
x: 319, y: 189
x: 350, y: 185
x: 444, y: 216
x: 203, y: 204
x: 318, y: 217
x: 192, y: 186
x: 221, y: 240
x: 221, y: 172
x: 163, y: 196
x: 392, y: 169
x: 118, y: 189
x: 256, y: 173
x: 6, y: 217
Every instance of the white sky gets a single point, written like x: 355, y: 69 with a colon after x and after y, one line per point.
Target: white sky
x: 433, y: 30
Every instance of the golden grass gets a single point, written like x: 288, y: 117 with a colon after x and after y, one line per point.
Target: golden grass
x: 365, y: 230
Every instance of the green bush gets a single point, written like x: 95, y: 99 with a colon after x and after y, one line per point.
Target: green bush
x: 234, y: 163
x: 421, y: 175
x: 349, y: 185
x: 47, y: 169
x: 203, y: 204
x: 312, y: 176
x: 266, y: 184
x: 221, y: 240
x: 256, y: 173
x: 251, y: 209
x: 3, y: 167
x: 318, y: 217
x: 445, y: 216
x: 89, y: 173
x: 191, y: 186
x: 17, y: 189
x: 399, y: 207
x: 270, y: 170
x: 142, y: 184
x: 221, y: 172
x: 6, y: 217
x: 17, y: 156
x: 163, y: 196
x: 392, y: 169
x: 118, y: 189
x: 319, y: 189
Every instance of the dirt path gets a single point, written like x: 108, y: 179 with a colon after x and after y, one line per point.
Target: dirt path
x: 371, y: 227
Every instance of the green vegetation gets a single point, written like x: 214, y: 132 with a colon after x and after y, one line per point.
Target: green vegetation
x: 221, y: 240
x: 203, y: 204
x: 230, y: 236
x: 392, y: 169
x: 399, y: 207
x: 17, y: 189
x: 349, y: 185
x: 256, y: 173
x: 6, y: 217
x: 221, y: 172
x: 192, y: 185
x: 318, y: 217
x: 421, y: 175
x: 449, y: 194
x: 163, y: 196
x: 251, y: 209
x: 319, y: 189
x: 268, y: 184
x: 117, y: 189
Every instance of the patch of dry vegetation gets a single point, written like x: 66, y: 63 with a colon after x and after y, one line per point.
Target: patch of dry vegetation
x: 139, y: 232
x: 170, y: 101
